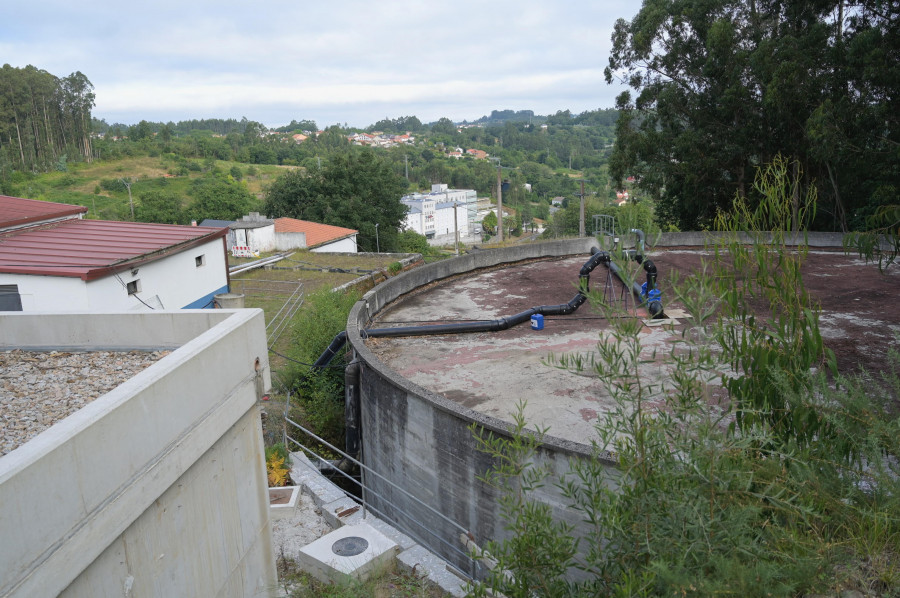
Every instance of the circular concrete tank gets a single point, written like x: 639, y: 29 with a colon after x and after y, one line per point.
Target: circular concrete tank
x: 423, y: 442
x: 422, y: 397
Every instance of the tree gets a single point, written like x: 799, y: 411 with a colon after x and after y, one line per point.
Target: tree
x: 140, y: 131
x: 156, y: 206
x: 489, y: 223
x: 220, y: 200
x: 409, y: 241
x: 724, y: 86
x: 444, y: 125
x: 355, y: 190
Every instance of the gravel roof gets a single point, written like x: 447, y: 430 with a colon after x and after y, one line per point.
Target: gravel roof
x: 38, y: 389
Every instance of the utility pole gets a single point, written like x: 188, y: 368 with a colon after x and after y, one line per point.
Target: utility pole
x: 406, y: 164
x: 456, y: 225
x: 499, y: 203
x: 377, y: 242
x: 130, y: 200
x: 581, y: 213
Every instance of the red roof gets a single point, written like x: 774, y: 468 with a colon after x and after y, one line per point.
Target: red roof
x: 316, y: 234
x: 91, y: 249
x: 18, y: 211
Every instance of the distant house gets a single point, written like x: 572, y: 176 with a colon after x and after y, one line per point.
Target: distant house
x: 51, y: 259
x: 261, y: 234
x: 477, y: 154
x: 298, y: 138
x: 318, y: 238
x: 253, y: 231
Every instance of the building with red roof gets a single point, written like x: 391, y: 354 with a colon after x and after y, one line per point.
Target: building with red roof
x: 51, y: 259
x: 319, y: 238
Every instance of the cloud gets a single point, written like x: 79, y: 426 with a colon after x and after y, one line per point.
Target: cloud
x: 278, y: 60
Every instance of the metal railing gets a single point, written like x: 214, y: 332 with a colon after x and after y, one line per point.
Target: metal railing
x: 405, y: 522
x: 283, y: 317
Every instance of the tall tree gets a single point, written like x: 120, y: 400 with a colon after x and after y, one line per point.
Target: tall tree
x: 356, y: 190
x: 724, y: 86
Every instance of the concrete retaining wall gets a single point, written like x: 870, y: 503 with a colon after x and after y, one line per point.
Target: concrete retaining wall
x: 423, y: 443
x: 157, y: 488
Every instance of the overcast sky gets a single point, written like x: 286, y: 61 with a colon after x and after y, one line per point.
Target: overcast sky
x: 337, y: 61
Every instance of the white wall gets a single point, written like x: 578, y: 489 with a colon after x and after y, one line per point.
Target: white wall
x: 49, y: 293
x: 347, y: 245
x: 157, y: 488
x: 262, y: 238
x: 173, y: 282
x: 444, y: 224
x: 413, y: 221
x: 285, y: 241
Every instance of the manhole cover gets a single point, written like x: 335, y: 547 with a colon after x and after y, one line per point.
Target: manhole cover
x: 350, y: 546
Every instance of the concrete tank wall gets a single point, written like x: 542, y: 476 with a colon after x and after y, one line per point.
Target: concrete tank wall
x: 157, y: 488
x: 423, y: 442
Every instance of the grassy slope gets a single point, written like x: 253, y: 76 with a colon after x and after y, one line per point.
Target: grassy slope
x: 81, y: 184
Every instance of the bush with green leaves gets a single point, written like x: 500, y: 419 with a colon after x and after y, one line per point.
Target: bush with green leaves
x: 789, y: 487
x: 319, y: 404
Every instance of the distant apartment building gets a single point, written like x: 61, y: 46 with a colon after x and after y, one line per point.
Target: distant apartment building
x: 442, y: 212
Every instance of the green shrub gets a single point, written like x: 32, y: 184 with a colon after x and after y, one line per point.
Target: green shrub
x: 319, y: 404
x: 789, y: 487
x: 113, y: 185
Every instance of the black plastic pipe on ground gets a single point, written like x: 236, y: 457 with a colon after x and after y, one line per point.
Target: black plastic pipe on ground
x: 584, y: 279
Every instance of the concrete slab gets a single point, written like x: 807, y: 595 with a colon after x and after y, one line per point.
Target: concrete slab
x: 353, y: 550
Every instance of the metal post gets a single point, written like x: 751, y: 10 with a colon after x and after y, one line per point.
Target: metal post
x: 581, y: 216
x: 456, y: 226
x: 377, y: 242
x: 499, y: 203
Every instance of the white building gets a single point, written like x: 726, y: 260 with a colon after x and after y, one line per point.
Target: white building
x: 263, y: 234
x: 442, y: 212
x: 51, y: 259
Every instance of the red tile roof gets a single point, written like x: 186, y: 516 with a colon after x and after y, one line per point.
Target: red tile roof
x: 17, y: 211
x: 91, y: 249
x: 316, y: 234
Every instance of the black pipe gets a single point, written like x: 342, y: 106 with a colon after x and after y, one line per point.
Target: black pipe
x: 336, y: 344
x: 564, y: 309
x: 584, y: 280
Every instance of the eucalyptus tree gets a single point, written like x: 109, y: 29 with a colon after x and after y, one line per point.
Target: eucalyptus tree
x: 721, y: 87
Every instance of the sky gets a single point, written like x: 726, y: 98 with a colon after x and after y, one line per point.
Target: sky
x: 334, y: 62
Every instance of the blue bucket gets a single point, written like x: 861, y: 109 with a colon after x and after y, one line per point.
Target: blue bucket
x: 537, y: 322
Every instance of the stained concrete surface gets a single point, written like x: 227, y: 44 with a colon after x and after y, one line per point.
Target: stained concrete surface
x: 491, y: 372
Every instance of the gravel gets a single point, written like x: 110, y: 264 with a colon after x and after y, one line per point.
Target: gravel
x: 38, y: 389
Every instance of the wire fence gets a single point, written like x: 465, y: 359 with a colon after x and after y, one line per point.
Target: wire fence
x: 401, y: 519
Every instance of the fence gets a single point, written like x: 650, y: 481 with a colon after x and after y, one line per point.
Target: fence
x: 404, y: 522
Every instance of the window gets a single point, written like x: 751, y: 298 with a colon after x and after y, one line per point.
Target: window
x: 200, y: 260
x: 10, y: 300
x: 133, y: 287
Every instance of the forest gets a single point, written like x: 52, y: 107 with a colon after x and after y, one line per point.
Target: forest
x: 44, y: 119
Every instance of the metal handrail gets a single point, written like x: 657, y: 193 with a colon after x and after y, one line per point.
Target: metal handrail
x: 473, y: 563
